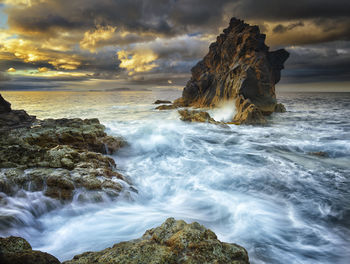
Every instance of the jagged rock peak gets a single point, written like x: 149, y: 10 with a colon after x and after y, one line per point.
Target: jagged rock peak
x: 238, y: 65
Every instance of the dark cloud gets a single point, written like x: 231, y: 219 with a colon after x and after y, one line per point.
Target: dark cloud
x: 4, y: 77
x: 174, y: 30
x: 276, y: 10
x: 282, y: 29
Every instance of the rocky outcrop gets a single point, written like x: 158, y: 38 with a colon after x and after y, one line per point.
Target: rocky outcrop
x: 172, y: 242
x: 58, y: 156
x: 5, y: 106
x: 13, y: 118
x: 239, y: 67
x: 16, y: 250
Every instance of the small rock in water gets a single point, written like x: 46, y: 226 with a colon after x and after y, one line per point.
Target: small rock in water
x: 162, y: 102
x: 320, y: 154
x: 196, y: 116
x: 166, y: 107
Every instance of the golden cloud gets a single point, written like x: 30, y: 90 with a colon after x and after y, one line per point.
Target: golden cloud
x: 140, y: 60
x: 29, y: 52
x: 93, y: 37
x: 11, y: 70
x: 43, y: 69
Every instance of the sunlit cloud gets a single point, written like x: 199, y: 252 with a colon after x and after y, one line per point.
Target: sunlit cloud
x: 92, y: 38
x: 43, y: 69
x: 11, y: 69
x: 139, y: 60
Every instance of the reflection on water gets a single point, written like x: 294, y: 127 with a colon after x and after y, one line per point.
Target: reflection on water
x: 255, y: 186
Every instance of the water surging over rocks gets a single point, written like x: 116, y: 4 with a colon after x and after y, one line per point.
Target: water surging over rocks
x: 239, y: 67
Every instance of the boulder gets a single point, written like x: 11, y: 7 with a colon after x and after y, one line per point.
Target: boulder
x: 172, y: 242
x: 16, y: 250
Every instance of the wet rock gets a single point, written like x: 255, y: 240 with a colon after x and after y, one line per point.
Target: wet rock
x: 248, y: 113
x: 166, y: 107
x: 238, y: 65
x: 59, y: 157
x: 162, y: 102
x: 321, y: 154
x: 280, y: 108
x: 172, y: 242
x: 16, y: 250
x: 196, y: 116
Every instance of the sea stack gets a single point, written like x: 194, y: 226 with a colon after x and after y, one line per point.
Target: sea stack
x: 238, y: 68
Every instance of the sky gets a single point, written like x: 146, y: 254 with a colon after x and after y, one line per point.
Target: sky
x: 103, y: 44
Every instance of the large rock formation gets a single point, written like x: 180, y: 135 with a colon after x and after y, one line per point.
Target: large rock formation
x: 239, y: 67
x: 173, y: 242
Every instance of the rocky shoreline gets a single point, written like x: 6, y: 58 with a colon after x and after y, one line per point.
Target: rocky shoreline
x: 67, y: 159
x: 59, y: 157
x: 172, y: 242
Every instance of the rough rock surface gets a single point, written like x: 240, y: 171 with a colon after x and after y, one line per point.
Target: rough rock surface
x: 59, y: 156
x: 172, y: 242
x: 238, y: 65
x: 196, y: 116
x: 16, y: 250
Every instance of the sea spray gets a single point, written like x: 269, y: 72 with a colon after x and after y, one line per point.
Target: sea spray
x: 224, y: 112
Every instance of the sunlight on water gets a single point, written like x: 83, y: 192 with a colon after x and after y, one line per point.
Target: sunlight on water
x: 255, y: 186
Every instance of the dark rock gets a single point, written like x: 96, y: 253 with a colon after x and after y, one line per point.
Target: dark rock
x: 58, y: 156
x: 196, y: 116
x: 5, y: 106
x: 162, y: 102
x: 172, y: 242
x: 280, y: 108
x: 13, y: 118
x: 166, y: 107
x: 321, y: 154
x: 16, y: 250
x: 238, y: 65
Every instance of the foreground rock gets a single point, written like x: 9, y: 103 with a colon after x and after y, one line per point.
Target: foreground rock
x: 16, y: 250
x: 58, y: 157
x: 61, y: 157
x: 239, y: 67
x: 172, y: 242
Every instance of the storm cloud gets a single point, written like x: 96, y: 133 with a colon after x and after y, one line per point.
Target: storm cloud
x: 156, y: 40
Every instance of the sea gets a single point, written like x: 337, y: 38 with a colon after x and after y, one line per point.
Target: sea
x: 262, y: 187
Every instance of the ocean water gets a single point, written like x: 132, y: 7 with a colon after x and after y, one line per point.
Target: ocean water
x: 255, y: 186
